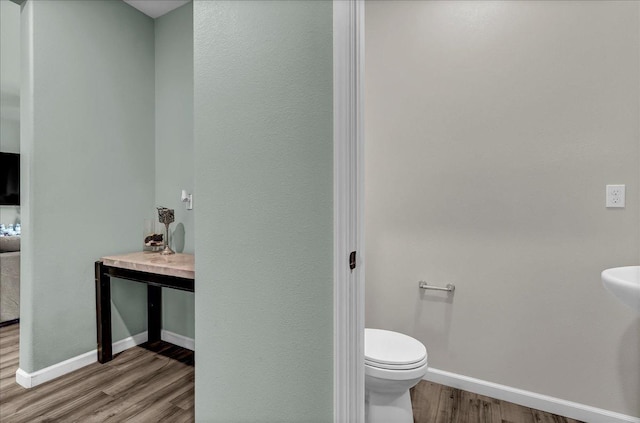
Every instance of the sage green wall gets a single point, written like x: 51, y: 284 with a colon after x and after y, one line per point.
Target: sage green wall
x: 9, y: 90
x: 9, y: 76
x: 263, y: 155
x: 174, y: 146
x: 88, y: 145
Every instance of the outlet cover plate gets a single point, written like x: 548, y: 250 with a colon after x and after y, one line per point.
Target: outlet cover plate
x: 615, y: 196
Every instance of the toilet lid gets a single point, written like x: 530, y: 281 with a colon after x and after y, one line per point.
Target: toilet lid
x: 392, y: 348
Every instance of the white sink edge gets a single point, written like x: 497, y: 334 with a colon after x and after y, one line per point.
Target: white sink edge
x: 624, y: 284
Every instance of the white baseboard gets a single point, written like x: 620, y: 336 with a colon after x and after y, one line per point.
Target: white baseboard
x: 570, y: 409
x: 127, y: 343
x: 179, y: 340
x: 29, y: 380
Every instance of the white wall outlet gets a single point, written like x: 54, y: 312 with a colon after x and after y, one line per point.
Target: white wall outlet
x: 187, y: 198
x: 615, y: 196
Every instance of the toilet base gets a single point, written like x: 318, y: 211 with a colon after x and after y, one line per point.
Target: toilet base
x: 388, y: 408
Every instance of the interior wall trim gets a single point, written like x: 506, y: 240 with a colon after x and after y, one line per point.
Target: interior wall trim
x: 29, y: 380
x: 574, y: 410
x: 179, y: 340
x: 348, y: 282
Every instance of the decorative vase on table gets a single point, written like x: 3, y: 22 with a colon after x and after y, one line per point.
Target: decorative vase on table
x: 153, y: 238
x: 166, y: 216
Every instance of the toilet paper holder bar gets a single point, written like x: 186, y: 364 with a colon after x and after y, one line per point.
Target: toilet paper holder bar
x: 449, y: 288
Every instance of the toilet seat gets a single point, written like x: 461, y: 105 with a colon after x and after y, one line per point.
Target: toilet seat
x: 389, y: 350
x: 409, y: 366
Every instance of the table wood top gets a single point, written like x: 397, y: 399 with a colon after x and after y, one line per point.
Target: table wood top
x: 179, y: 265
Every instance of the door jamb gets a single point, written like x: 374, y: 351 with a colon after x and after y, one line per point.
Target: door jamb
x: 348, y: 160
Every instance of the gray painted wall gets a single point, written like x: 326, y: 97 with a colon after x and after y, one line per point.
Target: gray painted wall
x: 88, y: 147
x: 263, y: 154
x: 9, y: 90
x: 174, y: 147
x: 492, y: 130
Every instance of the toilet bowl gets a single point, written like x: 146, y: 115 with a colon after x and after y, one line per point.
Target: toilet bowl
x: 393, y: 364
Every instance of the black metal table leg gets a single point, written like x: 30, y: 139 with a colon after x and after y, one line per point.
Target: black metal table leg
x: 154, y: 312
x: 103, y: 314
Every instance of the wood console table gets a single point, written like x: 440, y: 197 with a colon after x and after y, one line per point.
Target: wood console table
x: 153, y: 269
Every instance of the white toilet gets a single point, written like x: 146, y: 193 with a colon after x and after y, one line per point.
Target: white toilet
x: 393, y: 363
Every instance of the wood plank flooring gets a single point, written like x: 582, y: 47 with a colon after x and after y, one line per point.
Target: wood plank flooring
x: 149, y: 383
x: 433, y: 403
x: 154, y: 383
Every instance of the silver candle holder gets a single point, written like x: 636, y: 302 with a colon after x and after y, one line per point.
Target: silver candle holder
x: 167, y: 217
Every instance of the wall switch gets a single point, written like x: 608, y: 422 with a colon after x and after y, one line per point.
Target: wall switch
x: 615, y: 196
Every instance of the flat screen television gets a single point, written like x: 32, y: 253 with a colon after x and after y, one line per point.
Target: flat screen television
x: 9, y: 179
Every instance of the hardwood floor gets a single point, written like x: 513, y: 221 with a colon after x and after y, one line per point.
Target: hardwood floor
x: 154, y: 383
x: 148, y: 383
x: 433, y: 403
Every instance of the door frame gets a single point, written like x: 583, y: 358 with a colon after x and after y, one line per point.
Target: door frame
x: 348, y: 196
